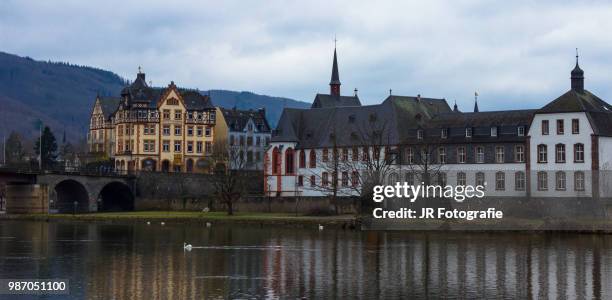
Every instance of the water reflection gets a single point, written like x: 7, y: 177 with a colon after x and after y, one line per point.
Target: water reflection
x: 140, y: 261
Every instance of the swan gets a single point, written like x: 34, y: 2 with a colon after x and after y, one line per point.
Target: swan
x: 187, y: 247
x: 148, y: 223
x: 163, y: 223
x: 320, y: 227
x: 208, y: 224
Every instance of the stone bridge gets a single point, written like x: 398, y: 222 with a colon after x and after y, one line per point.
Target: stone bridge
x: 67, y: 193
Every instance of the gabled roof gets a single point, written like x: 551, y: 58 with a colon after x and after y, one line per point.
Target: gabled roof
x: 485, y: 118
x: 327, y: 101
x: 576, y: 101
x: 108, y: 105
x: 237, y: 120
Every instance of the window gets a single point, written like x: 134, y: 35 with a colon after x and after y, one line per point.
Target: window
x: 177, y: 146
x: 325, y: 179
x: 345, y: 154
x: 560, y: 153
x: 166, y: 130
x: 289, y: 163
x: 560, y: 127
x: 208, y: 147
x: 177, y: 130
x: 578, y: 153
x: 242, y: 140
x: 366, y: 154
x: 420, y: 134
x: 579, y: 181
x: 480, y: 179
x: 542, y: 154
x: 199, y: 131
x: 519, y: 153
x: 149, y: 146
x: 345, y: 178
x: 442, y: 179
x: 444, y: 133
x: 409, y: 155
x: 560, y: 181
x: 461, y: 155
x: 249, y: 141
x: 300, y: 180
x: 461, y: 179
x: 545, y: 129
x: 190, y: 147
x: 494, y: 131
x: 313, y: 180
x: 189, y: 115
x: 302, y: 159
x: 178, y: 114
x: 325, y: 155
x: 468, y: 132
x: 257, y: 156
x: 519, y: 181
x: 499, y: 154
x: 500, y: 181
x: 166, y: 146
x: 542, y: 181
x: 355, y: 178
x: 313, y: 158
x: 410, y: 178
x: 355, y: 156
x: 208, y: 131
x: 199, y: 147
x: 521, y: 131
x: 149, y: 129
x: 166, y: 114
x: 442, y: 155
x: 190, y: 130
x: 258, y: 141
x: 480, y: 157
x: 375, y: 153
x: 575, y: 126
x: 425, y: 156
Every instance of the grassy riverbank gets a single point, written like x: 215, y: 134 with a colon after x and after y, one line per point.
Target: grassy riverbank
x: 343, y: 221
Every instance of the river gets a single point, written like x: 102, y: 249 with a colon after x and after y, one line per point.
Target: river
x: 105, y: 261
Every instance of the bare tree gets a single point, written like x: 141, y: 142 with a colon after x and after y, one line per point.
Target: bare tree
x: 228, y: 177
x: 359, y: 164
x: 424, y: 159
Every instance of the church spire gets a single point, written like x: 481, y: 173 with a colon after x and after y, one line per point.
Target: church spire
x: 476, y: 102
x: 334, y: 84
x: 577, y: 76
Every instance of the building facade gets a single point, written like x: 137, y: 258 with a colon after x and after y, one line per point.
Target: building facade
x: 563, y: 149
x: 245, y: 131
x: 154, y: 129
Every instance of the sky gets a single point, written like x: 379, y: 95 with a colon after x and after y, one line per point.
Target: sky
x: 515, y: 54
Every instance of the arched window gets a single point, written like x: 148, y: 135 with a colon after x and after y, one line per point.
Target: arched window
x: 560, y: 153
x: 276, y: 161
x: 542, y: 153
x: 302, y: 158
x: 289, y: 162
x: 313, y: 158
x: 578, y: 153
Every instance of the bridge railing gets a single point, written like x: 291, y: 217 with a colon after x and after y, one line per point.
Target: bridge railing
x: 88, y: 171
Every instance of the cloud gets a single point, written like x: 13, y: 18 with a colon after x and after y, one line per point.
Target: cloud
x: 517, y: 54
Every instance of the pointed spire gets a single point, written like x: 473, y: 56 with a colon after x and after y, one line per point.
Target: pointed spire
x: 476, y: 102
x: 577, y: 76
x: 455, y: 108
x: 334, y: 84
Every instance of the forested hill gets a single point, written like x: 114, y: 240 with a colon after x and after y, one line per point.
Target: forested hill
x: 62, y: 94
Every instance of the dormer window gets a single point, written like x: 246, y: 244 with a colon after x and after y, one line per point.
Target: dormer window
x: 420, y: 134
x: 468, y: 132
x: 444, y: 133
x: 494, y: 131
x: 521, y: 131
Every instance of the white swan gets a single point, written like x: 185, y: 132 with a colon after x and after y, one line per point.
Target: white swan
x: 208, y: 224
x: 148, y: 223
x: 187, y: 247
x: 163, y: 223
x: 320, y: 227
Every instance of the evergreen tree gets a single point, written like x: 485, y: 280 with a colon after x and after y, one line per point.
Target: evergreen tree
x: 14, y: 149
x: 49, y: 148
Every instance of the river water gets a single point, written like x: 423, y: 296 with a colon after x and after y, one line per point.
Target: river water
x: 104, y: 261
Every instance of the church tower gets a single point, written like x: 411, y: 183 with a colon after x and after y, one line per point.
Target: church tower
x: 334, y: 84
x: 577, y: 77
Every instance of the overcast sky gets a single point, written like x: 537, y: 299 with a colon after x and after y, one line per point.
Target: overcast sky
x: 516, y: 54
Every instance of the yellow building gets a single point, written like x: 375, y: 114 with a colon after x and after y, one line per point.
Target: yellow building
x: 101, y: 130
x: 155, y: 129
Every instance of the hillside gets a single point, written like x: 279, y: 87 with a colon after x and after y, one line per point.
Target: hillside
x: 62, y: 94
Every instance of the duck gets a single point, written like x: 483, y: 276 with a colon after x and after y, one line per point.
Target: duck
x: 187, y: 247
x: 320, y: 227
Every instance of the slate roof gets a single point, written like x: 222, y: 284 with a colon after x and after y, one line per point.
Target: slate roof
x: 237, y: 120
x: 327, y: 101
x: 139, y: 91
x: 109, y: 106
x: 597, y: 110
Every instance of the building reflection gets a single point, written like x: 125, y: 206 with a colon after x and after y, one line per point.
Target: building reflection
x: 135, y: 262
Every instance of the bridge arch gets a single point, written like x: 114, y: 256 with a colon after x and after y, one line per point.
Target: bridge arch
x: 71, y: 197
x: 116, y: 196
